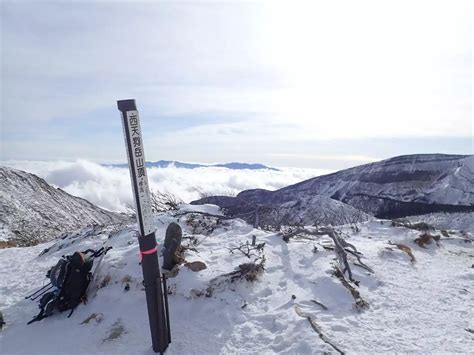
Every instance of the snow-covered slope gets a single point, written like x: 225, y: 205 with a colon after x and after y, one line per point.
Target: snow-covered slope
x: 316, y: 210
x: 395, y: 187
x: 420, y: 307
x: 455, y: 187
x: 306, y: 210
x: 31, y: 211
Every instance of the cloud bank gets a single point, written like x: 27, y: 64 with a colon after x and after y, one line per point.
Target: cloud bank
x: 110, y: 187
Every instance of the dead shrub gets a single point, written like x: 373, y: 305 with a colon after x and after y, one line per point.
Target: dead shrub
x: 426, y: 239
x: 105, y: 281
x: 405, y: 249
x: 419, y: 226
x: 247, y: 271
x: 8, y: 244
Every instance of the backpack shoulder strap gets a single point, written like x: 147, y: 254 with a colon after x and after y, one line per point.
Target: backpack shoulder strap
x: 47, y: 304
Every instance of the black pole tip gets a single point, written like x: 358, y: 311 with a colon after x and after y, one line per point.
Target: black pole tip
x: 126, y: 105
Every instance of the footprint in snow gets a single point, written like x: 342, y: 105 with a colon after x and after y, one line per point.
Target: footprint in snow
x: 116, y: 331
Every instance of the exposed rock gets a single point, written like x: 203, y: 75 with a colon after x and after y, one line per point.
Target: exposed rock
x: 171, y: 273
x: 196, y: 266
x: 194, y: 293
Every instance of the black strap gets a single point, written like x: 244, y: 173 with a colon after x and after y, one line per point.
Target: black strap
x: 92, y: 251
x: 38, y: 317
x: 97, y: 253
x: 70, y: 313
x: 101, y: 251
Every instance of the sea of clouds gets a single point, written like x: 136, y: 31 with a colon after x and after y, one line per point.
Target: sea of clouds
x: 110, y: 187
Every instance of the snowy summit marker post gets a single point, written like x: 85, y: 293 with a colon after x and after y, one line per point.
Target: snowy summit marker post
x: 155, y: 295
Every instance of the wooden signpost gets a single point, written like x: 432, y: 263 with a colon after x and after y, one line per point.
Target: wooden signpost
x: 155, y: 286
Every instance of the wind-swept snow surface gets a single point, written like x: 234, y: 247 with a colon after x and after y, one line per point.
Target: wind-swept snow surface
x: 424, y: 306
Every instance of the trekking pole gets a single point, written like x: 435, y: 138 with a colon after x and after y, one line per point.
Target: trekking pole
x: 167, y: 312
x: 42, y: 293
x: 48, y: 286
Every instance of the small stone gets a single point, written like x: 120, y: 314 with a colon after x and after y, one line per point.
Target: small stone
x: 171, y: 273
x: 293, y: 297
x: 127, y: 287
x: 196, y: 266
x: 196, y: 293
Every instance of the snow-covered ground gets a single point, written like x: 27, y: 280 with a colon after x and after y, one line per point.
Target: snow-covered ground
x: 421, y: 307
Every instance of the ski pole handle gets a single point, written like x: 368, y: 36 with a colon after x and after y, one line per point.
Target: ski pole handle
x: 42, y: 293
x: 41, y: 289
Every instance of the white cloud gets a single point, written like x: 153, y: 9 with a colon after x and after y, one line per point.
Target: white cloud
x: 110, y: 187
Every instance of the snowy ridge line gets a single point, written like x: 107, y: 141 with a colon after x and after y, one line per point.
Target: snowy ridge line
x: 391, y: 188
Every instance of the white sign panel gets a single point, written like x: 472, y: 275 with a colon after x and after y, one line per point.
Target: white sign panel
x: 136, y: 160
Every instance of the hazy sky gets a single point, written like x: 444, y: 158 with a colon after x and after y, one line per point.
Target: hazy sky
x: 285, y: 83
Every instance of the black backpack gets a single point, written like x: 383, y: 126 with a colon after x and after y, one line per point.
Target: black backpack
x: 70, y: 278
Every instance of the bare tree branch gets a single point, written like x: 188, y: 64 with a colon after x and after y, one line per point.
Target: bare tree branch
x: 341, y: 253
x: 248, y: 249
x: 360, y: 303
x: 317, y: 329
x: 164, y: 201
x: 320, y: 304
x: 405, y: 249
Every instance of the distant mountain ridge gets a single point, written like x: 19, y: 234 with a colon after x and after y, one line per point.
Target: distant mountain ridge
x: 32, y: 211
x: 395, y: 187
x: 178, y: 164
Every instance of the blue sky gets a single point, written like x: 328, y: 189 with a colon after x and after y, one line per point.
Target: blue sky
x: 285, y: 83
